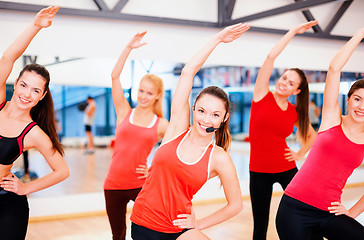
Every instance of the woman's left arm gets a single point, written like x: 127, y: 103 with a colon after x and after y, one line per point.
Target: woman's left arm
x: 291, y: 155
x: 225, y: 168
x: 39, y: 140
x: 338, y: 208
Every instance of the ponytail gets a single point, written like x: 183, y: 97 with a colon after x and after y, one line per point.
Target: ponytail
x: 302, y: 103
x: 222, y: 136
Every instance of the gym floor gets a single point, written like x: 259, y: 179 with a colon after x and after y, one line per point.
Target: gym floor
x: 74, y: 209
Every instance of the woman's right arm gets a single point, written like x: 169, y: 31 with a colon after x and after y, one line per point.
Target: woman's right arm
x: 121, y: 104
x: 331, y: 113
x: 43, y: 19
x: 261, y: 87
x: 180, y: 108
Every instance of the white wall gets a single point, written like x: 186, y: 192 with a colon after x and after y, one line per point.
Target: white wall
x: 102, y: 38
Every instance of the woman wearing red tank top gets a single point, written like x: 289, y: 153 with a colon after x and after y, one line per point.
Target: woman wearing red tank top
x: 312, y: 201
x: 187, y: 157
x: 31, y: 105
x: 137, y: 131
x: 272, y: 120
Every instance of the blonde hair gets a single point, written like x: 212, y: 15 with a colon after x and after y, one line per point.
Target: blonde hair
x: 158, y: 83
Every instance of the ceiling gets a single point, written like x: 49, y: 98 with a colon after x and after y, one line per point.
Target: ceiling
x: 338, y: 19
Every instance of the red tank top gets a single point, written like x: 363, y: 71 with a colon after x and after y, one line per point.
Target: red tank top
x: 268, y: 129
x: 133, y: 144
x: 332, y: 159
x: 170, y: 187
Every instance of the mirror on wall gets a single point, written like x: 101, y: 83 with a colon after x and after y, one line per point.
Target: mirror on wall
x: 74, y: 79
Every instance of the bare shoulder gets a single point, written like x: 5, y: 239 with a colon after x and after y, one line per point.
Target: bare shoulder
x: 36, y: 131
x: 220, y: 156
x: 36, y: 137
x: 222, y: 164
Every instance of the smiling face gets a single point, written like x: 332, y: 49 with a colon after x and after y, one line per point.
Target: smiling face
x: 209, y: 111
x: 288, y: 84
x: 29, y: 90
x: 356, y: 105
x: 148, y: 93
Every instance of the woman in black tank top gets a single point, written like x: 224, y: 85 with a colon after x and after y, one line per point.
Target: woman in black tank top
x: 30, y: 113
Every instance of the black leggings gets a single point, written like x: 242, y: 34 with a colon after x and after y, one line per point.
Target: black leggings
x: 14, y: 215
x: 300, y: 221
x: 142, y: 233
x: 116, y: 202
x: 261, y: 188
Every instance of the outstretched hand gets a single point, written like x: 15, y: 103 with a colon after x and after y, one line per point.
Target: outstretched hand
x: 135, y: 42
x: 45, y: 16
x: 305, y: 26
x: 233, y: 32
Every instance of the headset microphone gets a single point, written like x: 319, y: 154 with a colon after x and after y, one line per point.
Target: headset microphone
x: 211, y: 129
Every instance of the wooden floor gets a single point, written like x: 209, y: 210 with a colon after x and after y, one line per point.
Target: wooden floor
x: 97, y: 227
x: 87, y: 174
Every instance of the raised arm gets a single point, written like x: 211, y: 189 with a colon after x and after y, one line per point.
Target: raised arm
x: 331, y: 114
x: 261, y: 86
x: 180, y: 112
x: 43, y: 19
x: 121, y: 104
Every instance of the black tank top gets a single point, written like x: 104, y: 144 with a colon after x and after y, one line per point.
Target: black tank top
x: 12, y: 147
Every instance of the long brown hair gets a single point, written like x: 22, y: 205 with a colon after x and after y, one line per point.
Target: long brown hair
x: 158, y: 83
x: 43, y: 113
x: 222, y: 135
x: 302, y: 103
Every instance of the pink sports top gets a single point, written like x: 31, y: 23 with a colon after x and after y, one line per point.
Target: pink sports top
x: 133, y: 144
x: 332, y: 159
x: 170, y: 187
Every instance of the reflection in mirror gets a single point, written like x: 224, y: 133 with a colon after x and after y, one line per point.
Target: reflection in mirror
x: 74, y: 79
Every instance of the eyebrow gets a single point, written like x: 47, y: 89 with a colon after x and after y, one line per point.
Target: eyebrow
x: 21, y: 81
x: 212, y: 112
x: 356, y: 95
